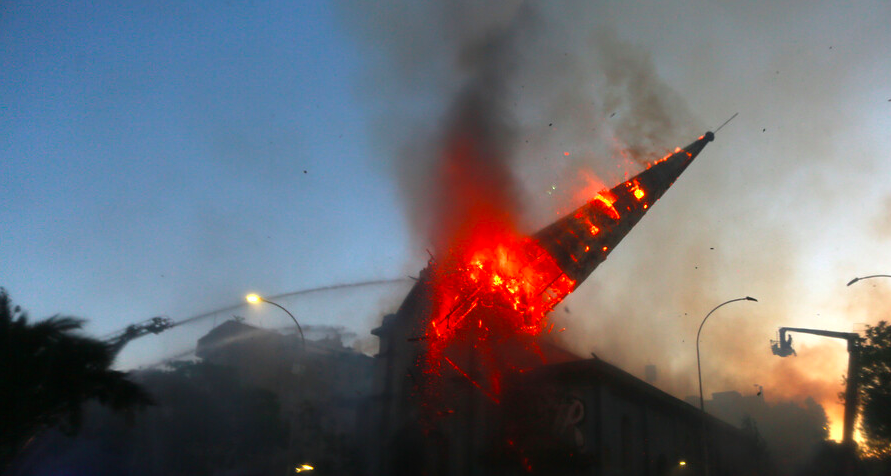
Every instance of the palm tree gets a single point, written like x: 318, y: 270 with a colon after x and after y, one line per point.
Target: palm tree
x: 47, y: 372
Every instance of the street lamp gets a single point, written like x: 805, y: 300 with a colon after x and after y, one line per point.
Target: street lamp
x: 867, y: 277
x: 296, y: 369
x: 256, y: 299
x: 698, y: 365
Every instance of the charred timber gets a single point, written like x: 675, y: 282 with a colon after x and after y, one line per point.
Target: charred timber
x: 581, y: 240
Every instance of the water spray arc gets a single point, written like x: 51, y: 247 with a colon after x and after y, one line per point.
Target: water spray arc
x: 301, y: 292
x: 171, y: 324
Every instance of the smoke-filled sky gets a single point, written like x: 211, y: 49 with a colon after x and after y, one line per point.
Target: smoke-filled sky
x: 166, y: 159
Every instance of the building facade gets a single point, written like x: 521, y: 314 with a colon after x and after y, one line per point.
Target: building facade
x: 567, y: 416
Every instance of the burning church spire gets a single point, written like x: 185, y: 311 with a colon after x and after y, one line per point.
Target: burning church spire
x: 580, y: 241
x: 479, y: 309
x: 495, y: 287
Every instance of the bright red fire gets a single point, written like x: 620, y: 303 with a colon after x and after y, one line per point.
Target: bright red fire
x: 606, y: 200
x: 491, y: 287
x: 512, y: 275
x: 496, y: 288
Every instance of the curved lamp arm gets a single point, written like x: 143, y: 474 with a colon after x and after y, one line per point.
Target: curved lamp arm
x: 698, y: 365
x: 254, y: 298
x: 868, y: 277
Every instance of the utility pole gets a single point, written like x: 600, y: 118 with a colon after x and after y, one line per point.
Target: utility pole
x: 783, y: 348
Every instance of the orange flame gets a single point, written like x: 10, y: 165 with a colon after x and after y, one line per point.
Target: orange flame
x: 634, y: 187
x: 607, y: 199
x: 506, y: 288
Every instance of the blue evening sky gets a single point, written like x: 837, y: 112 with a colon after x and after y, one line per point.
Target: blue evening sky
x: 152, y: 158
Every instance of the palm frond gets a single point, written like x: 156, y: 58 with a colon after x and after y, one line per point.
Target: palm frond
x: 49, y: 371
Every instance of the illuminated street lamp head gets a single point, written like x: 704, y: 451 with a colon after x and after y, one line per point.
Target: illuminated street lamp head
x: 302, y: 468
x: 253, y: 298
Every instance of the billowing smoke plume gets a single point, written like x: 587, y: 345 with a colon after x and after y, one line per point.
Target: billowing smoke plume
x: 578, y: 94
x: 545, y: 96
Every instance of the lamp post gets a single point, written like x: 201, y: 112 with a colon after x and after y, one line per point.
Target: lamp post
x: 256, y: 299
x: 698, y: 365
x: 868, y: 277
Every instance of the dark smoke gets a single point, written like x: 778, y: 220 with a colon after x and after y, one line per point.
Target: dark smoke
x: 474, y: 182
x: 532, y: 81
x: 600, y: 88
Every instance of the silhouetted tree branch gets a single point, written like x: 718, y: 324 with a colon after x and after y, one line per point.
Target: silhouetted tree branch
x: 47, y: 372
x: 875, y: 389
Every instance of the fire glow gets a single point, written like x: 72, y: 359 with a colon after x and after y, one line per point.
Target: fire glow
x: 491, y: 287
x: 516, y: 278
x: 504, y: 289
x: 497, y: 284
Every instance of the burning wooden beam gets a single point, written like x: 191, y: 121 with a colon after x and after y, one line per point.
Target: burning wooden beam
x: 499, y: 286
x: 581, y: 240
